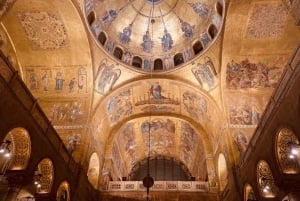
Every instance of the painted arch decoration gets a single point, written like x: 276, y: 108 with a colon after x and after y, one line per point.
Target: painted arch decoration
x: 287, y: 151
x: 20, y: 148
x: 159, y: 96
x: 169, y: 137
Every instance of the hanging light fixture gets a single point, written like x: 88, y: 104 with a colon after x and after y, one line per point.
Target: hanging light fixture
x: 148, y: 181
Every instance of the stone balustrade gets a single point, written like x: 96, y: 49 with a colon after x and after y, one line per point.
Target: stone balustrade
x: 189, y: 186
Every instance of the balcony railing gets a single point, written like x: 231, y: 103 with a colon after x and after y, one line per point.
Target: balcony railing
x: 189, y: 186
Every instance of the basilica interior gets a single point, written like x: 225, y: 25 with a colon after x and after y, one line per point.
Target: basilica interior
x: 161, y: 100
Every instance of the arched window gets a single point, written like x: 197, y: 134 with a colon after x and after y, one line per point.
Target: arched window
x: 158, y: 64
x: 197, y: 47
x: 137, y: 62
x: 249, y: 193
x: 219, y: 8
x: 222, y: 171
x: 265, y: 180
x: 118, y: 53
x: 63, y: 192
x: 93, y: 171
x: 43, y: 176
x: 178, y: 59
x: 213, y: 31
x: 288, y: 151
x: 15, y: 150
x: 102, y: 38
x: 91, y: 18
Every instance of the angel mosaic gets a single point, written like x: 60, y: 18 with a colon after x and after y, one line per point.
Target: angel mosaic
x: 107, y: 75
x: 205, y: 73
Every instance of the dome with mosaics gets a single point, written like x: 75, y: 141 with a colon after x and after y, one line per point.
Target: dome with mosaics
x: 175, y: 31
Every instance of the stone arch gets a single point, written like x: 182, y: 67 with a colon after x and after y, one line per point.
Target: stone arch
x: 18, y: 144
x: 287, y: 151
x: 63, y: 192
x: 222, y: 171
x: 91, y: 18
x: 158, y: 64
x: 197, y: 47
x: 137, y: 61
x: 44, y: 176
x: 102, y: 38
x: 249, y: 193
x: 93, y: 170
x: 265, y: 180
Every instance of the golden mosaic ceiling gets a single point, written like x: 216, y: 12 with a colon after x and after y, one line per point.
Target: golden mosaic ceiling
x: 154, y: 29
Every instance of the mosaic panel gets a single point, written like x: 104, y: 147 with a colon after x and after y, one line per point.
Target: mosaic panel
x: 106, y: 76
x: 267, y: 20
x: 44, y: 30
x: 119, y: 106
x: 188, y: 146
x: 65, y: 112
x: 246, y: 74
x: 127, y: 144
x: 195, y: 105
x: 243, y: 115
x: 204, y: 73
x: 68, y: 80
x: 162, y: 136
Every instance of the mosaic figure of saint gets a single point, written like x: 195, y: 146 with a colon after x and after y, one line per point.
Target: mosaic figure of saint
x: 127, y: 57
x: 59, y: 81
x: 45, y: 79
x: 33, y: 81
x: 147, y: 64
x: 147, y: 42
x: 201, y: 9
x: 187, y: 29
x: 109, y: 16
x: 166, y: 41
x: 125, y: 35
x: 155, y: 91
x: 205, y: 39
x: 241, y: 142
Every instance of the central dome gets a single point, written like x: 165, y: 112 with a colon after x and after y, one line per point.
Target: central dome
x: 155, y: 34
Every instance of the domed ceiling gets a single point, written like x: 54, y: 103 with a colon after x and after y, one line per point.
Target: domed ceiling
x: 136, y: 30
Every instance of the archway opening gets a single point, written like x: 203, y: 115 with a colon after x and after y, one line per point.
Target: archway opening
x: 222, y: 171
x: 93, y: 171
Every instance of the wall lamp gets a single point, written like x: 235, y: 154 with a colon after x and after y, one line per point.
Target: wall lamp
x: 4, y: 148
x: 294, y: 149
x: 266, y: 182
x: 37, y: 178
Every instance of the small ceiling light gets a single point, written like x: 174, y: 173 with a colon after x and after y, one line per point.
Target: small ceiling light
x: 294, y: 151
x: 291, y: 156
x: 7, y: 154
